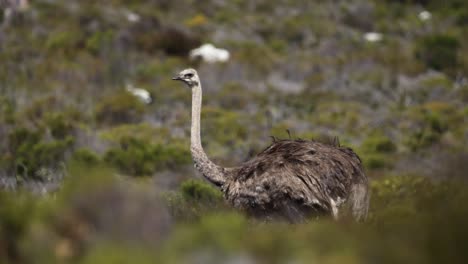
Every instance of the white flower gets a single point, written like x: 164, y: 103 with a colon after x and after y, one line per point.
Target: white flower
x: 132, y: 17
x: 373, y: 36
x: 142, y: 94
x: 424, y: 15
x: 209, y: 53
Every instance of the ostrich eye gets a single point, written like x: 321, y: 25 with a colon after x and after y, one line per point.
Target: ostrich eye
x: 188, y: 75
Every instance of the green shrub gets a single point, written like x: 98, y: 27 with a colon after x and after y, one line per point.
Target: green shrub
x: 138, y: 158
x: 171, y: 156
x: 7, y: 110
x: 79, y: 225
x: 133, y: 157
x: 16, y: 216
x: 171, y: 40
x: 438, y: 52
x: 234, y: 96
x: 433, y: 120
x: 41, y: 155
x: 157, y: 67
x: 193, y: 199
x: 422, y: 139
x: 280, y: 130
x: 278, y: 45
x: 218, y: 236
x: 95, y: 209
x: 376, y: 151
x: 411, y: 196
x: 375, y: 161
x: 304, y: 102
x: 338, y: 114
x: 30, y: 153
x: 462, y: 17
x: 120, y: 108
x: 378, y: 144
x: 86, y: 157
x: 65, y: 41
x: 142, y: 131
x: 99, y: 40
x: 119, y: 253
x: 200, y: 192
x: 59, y: 125
x: 39, y: 108
x: 259, y: 56
x: 23, y: 137
x: 223, y: 127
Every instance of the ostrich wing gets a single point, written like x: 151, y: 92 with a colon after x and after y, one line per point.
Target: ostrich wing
x: 306, y: 173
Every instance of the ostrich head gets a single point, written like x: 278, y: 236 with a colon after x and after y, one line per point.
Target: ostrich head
x: 188, y: 76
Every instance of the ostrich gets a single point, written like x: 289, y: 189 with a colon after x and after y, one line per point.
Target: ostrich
x: 292, y: 179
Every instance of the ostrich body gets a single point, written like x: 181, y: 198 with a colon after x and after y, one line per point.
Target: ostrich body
x: 291, y: 179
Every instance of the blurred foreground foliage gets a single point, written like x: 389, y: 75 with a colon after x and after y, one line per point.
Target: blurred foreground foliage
x: 100, y: 218
x: 63, y: 79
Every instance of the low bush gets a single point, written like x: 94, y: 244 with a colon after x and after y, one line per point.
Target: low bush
x: 223, y: 127
x: 41, y: 107
x: 96, y: 218
x: 7, y: 110
x: 375, y: 161
x: 141, y: 131
x: 16, y: 216
x: 193, y: 199
x: 378, y: 143
x: 432, y: 120
x: 119, y: 108
x: 171, y: 40
x: 259, y: 56
x: 200, y: 192
x: 99, y: 40
x: 137, y: 157
x: 119, y: 253
x: 233, y: 96
x: 59, y: 125
x: 64, y: 41
x: 438, y: 52
x: 86, y: 157
x: 29, y: 153
x: 376, y: 151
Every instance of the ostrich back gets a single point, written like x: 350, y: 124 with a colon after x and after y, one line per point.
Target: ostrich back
x: 294, y: 179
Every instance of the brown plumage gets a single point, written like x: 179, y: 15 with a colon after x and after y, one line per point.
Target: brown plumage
x: 294, y: 179
x: 291, y: 179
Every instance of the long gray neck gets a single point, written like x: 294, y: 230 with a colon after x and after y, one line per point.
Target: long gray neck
x: 210, y: 171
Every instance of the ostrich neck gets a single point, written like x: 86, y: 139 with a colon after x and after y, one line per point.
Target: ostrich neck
x: 210, y: 171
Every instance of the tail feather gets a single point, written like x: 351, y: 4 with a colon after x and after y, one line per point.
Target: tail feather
x: 359, y: 201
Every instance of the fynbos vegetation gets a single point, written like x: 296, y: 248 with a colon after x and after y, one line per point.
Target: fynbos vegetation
x: 90, y: 174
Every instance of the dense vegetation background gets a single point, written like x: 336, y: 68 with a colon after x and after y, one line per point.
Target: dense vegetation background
x: 89, y: 174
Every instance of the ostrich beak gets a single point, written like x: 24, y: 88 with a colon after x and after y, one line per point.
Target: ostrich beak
x: 176, y: 78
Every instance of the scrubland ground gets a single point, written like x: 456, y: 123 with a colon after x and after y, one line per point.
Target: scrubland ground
x: 89, y: 174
